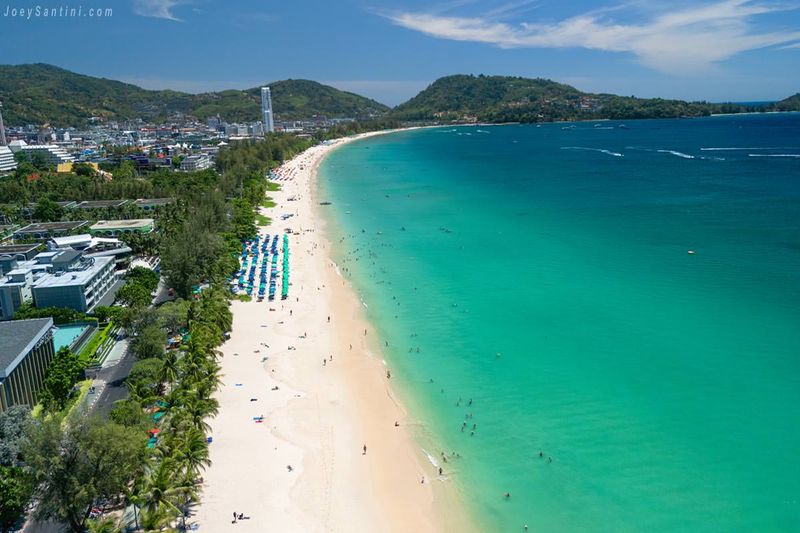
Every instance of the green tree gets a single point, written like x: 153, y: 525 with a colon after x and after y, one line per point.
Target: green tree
x: 144, y: 277
x: 15, y: 493
x: 84, y: 169
x: 76, y: 465
x: 48, y: 211
x: 134, y: 295
x: 113, y: 313
x: 174, y: 315
x: 149, y: 342
x: 63, y: 372
x: 125, y: 170
x: 129, y: 413
x: 103, y: 525
x: 13, y: 423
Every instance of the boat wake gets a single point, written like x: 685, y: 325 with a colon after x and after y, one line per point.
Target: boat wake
x: 774, y: 155
x: 746, y: 149
x: 602, y: 151
x: 676, y: 153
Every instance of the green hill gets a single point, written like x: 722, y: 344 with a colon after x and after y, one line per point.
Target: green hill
x: 511, y: 99
x: 788, y: 104
x: 39, y: 93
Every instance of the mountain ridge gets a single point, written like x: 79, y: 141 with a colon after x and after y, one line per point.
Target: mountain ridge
x: 484, y: 98
x: 40, y: 93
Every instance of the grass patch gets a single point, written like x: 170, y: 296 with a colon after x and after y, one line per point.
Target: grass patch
x: 261, y: 220
x: 244, y: 298
x: 273, y: 186
x: 268, y: 202
x: 88, y: 352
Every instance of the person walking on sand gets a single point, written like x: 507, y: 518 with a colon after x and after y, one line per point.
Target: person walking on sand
x: 365, y: 450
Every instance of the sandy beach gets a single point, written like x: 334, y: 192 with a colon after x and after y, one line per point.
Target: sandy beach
x: 321, y: 386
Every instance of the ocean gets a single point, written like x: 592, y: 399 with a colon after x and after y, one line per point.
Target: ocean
x: 536, y: 288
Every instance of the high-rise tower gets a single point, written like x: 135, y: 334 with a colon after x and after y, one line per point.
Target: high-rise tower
x: 266, y: 110
x: 3, y: 141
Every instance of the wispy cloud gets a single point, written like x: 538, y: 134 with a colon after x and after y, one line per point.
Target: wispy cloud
x: 161, y: 9
x: 679, y: 41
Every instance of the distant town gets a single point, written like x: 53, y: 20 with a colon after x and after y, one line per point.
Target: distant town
x: 181, y: 143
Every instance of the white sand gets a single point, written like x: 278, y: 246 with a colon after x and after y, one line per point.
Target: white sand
x: 322, y: 415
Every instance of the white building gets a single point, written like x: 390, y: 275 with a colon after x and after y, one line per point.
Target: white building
x: 80, y: 287
x: 266, y: 110
x: 53, y: 154
x: 57, y: 278
x: 7, y: 161
x: 196, y: 162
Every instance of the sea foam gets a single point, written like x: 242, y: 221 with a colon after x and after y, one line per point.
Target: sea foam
x: 602, y: 151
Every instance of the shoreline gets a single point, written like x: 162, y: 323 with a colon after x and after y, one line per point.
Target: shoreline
x: 322, y: 412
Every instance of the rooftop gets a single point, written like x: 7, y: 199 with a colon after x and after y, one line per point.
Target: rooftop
x: 17, y: 338
x: 42, y: 227
x: 100, y: 204
x: 153, y: 201
x: 122, y: 224
x: 73, y: 277
x: 17, y: 248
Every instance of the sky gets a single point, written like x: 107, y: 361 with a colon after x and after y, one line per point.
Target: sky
x: 718, y: 50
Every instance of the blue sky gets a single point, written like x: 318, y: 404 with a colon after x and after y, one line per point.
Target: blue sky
x: 736, y: 50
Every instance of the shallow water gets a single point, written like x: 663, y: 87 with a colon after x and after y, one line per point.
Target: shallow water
x: 543, y: 274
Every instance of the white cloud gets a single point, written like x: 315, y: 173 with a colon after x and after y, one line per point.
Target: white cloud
x: 678, y: 42
x: 161, y: 9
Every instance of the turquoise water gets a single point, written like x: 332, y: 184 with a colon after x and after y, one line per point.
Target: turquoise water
x: 543, y: 273
x: 66, y: 334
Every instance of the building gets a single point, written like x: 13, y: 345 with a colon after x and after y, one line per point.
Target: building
x: 19, y: 252
x: 196, y: 162
x: 15, y: 290
x: 100, y: 204
x: 26, y: 349
x: 256, y: 129
x: 7, y: 230
x: 66, y: 168
x: 151, y: 204
x: 47, y: 230
x: 77, y: 284
x: 63, y: 277
x: 3, y: 140
x: 266, y: 110
x: 93, y: 246
x: 112, y: 228
x: 7, y: 161
x: 54, y: 155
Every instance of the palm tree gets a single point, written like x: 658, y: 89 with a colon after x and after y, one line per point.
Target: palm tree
x: 103, y: 525
x: 192, y: 452
x: 159, y: 492
x: 169, y: 368
x: 156, y: 520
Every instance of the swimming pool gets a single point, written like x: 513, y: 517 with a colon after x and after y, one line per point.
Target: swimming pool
x: 66, y: 334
